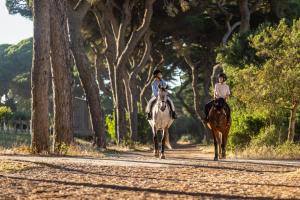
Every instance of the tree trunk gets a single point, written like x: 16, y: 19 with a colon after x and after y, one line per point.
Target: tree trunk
x: 99, y: 71
x: 127, y: 92
x: 245, y: 16
x: 120, y: 47
x: 88, y: 80
x: 144, y: 89
x: 40, y: 77
x: 195, y: 88
x: 134, y: 110
x: 61, y: 72
x: 195, y: 92
x: 292, y: 122
x: 120, y: 105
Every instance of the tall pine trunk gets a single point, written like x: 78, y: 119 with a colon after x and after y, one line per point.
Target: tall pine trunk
x: 61, y: 72
x: 134, y: 113
x: 86, y: 73
x: 40, y: 76
x: 90, y: 86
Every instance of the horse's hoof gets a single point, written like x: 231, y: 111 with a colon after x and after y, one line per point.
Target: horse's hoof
x: 216, y: 159
x: 162, y: 156
x: 156, y: 154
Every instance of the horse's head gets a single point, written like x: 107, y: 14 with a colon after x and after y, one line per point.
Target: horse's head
x: 217, y: 115
x: 219, y: 105
x: 162, y: 97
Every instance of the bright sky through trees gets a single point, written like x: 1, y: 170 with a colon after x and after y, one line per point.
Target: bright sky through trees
x: 14, y: 28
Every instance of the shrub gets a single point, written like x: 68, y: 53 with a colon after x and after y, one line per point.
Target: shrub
x: 5, y: 113
x: 110, y: 125
x: 267, y: 136
x: 21, y: 115
x: 144, y: 129
x: 283, y: 151
x: 244, y: 127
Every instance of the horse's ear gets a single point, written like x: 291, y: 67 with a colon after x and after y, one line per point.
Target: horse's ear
x: 167, y: 87
x: 159, y: 86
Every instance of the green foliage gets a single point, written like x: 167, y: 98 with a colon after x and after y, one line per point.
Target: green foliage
x: 238, y: 52
x: 110, y: 122
x: 268, y: 88
x: 61, y: 148
x: 279, y: 79
x: 21, y: 7
x: 15, y: 60
x: 5, y: 114
x: 268, y: 136
x: 20, y: 85
x: 21, y: 115
x: 244, y: 127
x: 8, y: 140
x: 10, y: 102
x: 144, y: 129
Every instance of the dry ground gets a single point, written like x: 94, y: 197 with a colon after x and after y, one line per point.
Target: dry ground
x: 187, y: 173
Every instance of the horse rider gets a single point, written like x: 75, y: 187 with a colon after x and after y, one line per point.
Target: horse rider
x: 158, y: 80
x: 221, y: 91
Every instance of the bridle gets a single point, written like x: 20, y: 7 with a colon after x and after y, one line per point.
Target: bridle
x: 162, y: 101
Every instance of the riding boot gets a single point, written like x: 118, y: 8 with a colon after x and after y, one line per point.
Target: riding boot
x: 228, y: 115
x: 228, y: 119
x: 207, y: 108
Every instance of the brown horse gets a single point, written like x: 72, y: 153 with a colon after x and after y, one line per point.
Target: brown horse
x: 219, y: 125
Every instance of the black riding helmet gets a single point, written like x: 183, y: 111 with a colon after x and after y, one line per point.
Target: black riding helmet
x: 157, y: 71
x: 223, y: 75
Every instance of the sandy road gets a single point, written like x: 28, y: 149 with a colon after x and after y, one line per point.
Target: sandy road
x: 187, y: 173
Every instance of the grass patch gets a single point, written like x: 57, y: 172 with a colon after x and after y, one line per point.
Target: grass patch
x: 285, y: 151
x: 19, y: 143
x: 10, y: 140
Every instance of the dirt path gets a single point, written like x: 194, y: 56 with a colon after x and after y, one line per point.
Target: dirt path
x: 187, y: 173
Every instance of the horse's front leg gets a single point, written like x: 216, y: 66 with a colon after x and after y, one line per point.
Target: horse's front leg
x: 216, y: 145
x: 163, y: 141
x: 224, y: 142
x: 155, y: 142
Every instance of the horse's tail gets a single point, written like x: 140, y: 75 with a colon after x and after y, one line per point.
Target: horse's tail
x: 167, y: 140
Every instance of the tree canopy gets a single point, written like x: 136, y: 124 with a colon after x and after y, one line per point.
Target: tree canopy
x: 119, y: 44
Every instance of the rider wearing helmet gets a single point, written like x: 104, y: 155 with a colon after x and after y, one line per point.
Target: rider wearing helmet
x: 221, y: 91
x: 157, y: 74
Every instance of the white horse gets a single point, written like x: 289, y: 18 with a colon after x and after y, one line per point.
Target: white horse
x: 161, y: 120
